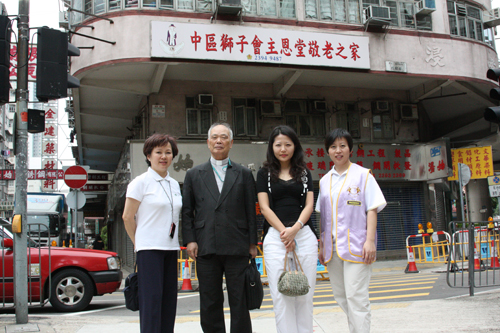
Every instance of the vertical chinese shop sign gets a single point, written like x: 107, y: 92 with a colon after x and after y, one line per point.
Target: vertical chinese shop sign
x: 478, y: 159
x: 49, y: 147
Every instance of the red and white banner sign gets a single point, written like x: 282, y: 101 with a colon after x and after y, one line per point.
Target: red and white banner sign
x: 258, y: 45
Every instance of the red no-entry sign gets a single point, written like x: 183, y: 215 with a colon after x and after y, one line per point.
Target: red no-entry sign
x: 75, y: 176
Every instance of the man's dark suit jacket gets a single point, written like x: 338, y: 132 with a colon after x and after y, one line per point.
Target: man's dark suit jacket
x: 222, y: 224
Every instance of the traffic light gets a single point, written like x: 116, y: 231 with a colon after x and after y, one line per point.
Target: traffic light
x: 492, y: 113
x: 36, y: 121
x: 52, y: 78
x: 5, y: 32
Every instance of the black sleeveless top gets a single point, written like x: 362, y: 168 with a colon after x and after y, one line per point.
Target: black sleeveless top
x: 287, y: 198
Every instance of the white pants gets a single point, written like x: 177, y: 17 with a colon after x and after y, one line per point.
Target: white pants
x: 350, y: 282
x: 293, y: 314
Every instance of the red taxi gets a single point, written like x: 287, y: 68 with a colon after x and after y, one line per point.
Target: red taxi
x: 67, y: 277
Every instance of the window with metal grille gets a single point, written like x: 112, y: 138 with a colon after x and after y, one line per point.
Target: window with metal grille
x: 88, y: 7
x: 245, y: 116
x: 465, y: 20
x: 304, y: 123
x: 115, y: 4
x: 99, y: 6
x: 272, y: 8
x: 348, y: 118
x: 198, y: 121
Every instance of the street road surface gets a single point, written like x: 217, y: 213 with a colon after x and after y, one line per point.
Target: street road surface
x: 384, y: 288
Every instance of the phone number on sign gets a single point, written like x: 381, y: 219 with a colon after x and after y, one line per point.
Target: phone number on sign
x: 268, y: 58
x: 390, y: 175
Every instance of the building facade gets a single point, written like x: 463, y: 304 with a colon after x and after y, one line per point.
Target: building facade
x: 406, y: 78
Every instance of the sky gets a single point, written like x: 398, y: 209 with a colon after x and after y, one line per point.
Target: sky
x: 46, y: 13
x: 42, y: 12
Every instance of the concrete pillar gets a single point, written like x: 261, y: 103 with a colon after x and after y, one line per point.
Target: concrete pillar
x: 479, y: 201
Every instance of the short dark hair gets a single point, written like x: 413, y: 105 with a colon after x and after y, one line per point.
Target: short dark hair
x: 159, y: 140
x: 338, y: 133
x: 298, y: 165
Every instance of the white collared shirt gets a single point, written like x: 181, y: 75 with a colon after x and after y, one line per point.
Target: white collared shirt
x: 220, y: 168
x: 154, y: 216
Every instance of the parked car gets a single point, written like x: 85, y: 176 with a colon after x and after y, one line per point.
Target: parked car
x: 69, y: 280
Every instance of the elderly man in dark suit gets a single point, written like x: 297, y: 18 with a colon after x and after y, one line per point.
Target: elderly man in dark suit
x: 219, y: 229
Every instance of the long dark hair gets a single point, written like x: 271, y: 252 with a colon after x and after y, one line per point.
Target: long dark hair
x: 298, y: 165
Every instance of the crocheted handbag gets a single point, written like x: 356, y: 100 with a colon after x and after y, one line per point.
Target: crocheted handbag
x: 293, y: 283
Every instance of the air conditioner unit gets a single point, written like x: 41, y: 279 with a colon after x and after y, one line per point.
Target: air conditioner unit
x: 426, y: 7
x: 231, y: 3
x: 63, y: 20
x: 492, y: 18
x: 377, y: 15
x: 229, y: 7
x: 206, y: 99
x: 320, y: 106
x: 270, y: 107
x: 382, y: 105
x: 409, y: 111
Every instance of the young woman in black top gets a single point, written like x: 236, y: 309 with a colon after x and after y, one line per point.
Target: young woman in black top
x: 286, y: 199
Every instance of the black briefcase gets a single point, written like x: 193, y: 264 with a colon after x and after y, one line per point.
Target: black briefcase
x: 253, y: 286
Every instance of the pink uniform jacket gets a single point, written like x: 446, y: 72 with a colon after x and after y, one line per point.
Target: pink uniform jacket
x: 350, y: 222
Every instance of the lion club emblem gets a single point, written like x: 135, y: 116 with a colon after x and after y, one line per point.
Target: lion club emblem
x: 354, y: 191
x: 169, y: 45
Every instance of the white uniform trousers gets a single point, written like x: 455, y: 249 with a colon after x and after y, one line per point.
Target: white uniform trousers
x: 350, y: 282
x: 293, y: 314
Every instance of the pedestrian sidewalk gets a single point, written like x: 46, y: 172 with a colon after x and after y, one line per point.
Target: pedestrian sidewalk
x: 459, y: 314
